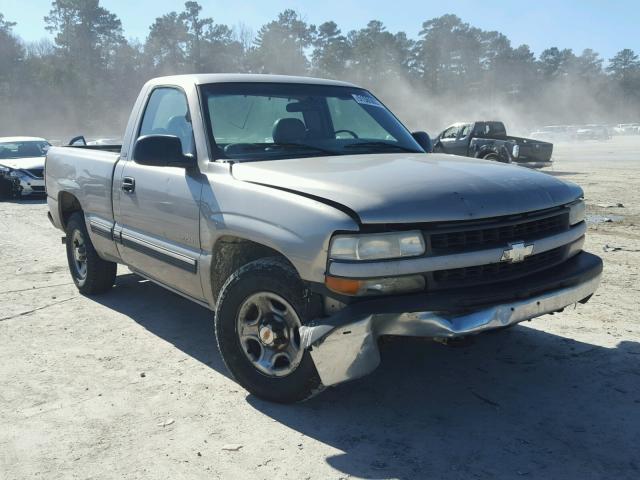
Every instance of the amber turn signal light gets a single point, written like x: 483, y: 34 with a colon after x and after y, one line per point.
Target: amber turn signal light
x: 345, y: 286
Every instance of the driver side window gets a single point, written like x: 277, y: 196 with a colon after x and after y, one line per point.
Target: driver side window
x: 451, y: 132
x: 466, y: 129
x: 167, y: 113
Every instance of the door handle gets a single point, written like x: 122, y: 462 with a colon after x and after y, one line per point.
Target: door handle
x: 128, y: 184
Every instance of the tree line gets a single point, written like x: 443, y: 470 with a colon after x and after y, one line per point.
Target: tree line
x: 86, y: 78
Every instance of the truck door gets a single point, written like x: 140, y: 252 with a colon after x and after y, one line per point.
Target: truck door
x: 447, y: 139
x: 460, y: 145
x: 157, y: 208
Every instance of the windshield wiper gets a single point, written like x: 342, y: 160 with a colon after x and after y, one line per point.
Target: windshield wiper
x: 305, y: 146
x: 380, y: 144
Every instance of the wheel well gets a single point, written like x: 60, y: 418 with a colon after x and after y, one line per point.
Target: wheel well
x: 230, y: 253
x: 68, y: 204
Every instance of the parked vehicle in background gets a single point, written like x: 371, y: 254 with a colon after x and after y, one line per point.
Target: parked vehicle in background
x: 593, y: 132
x: 554, y: 133
x: 80, y: 140
x: 313, y: 222
x: 627, y: 129
x: 22, y: 166
x: 489, y: 140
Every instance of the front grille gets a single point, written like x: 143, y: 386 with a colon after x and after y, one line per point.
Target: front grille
x: 36, y: 172
x: 496, y: 272
x: 498, y: 233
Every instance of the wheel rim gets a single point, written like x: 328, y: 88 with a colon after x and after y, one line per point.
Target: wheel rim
x: 79, y: 254
x: 268, y: 330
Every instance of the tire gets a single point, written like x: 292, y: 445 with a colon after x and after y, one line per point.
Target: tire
x: 493, y: 157
x: 264, y: 280
x: 98, y: 275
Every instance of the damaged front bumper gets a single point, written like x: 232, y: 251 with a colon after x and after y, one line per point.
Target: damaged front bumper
x: 21, y: 184
x: 344, y: 346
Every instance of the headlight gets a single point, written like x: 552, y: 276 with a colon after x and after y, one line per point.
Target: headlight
x: 516, y: 151
x: 576, y: 212
x: 377, y: 246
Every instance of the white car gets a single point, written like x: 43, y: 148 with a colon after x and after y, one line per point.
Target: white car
x: 22, y: 166
x: 627, y: 129
x: 554, y: 133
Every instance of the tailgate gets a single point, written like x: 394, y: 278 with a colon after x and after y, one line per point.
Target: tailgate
x: 534, y: 150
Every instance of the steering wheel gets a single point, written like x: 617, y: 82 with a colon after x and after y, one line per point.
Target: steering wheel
x: 350, y: 132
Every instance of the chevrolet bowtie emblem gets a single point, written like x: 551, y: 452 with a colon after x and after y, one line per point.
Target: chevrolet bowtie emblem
x: 516, y: 252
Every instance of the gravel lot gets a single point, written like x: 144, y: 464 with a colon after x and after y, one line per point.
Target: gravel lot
x: 130, y: 385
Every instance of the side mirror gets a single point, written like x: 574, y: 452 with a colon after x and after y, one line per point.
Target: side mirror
x: 161, y: 151
x: 423, y: 139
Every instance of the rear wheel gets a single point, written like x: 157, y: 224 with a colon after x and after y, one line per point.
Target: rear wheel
x: 260, y: 310
x: 90, y: 273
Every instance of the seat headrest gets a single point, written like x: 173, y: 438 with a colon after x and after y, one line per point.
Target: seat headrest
x: 29, y: 150
x: 288, y: 130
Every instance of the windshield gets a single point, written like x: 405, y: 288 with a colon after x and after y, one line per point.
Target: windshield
x: 267, y: 121
x: 23, y: 149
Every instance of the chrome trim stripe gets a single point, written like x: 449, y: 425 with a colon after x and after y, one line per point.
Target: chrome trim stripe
x: 106, y: 233
x: 390, y: 268
x: 101, y: 228
x: 160, y: 253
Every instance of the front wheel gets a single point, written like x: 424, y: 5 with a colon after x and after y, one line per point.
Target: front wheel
x: 258, y: 317
x: 90, y: 273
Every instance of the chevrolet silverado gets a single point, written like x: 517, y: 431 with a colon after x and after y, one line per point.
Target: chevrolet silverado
x: 312, y: 222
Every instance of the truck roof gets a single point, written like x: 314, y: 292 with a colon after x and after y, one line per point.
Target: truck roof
x: 204, y: 78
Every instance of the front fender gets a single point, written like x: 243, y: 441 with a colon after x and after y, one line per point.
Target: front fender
x: 298, y: 227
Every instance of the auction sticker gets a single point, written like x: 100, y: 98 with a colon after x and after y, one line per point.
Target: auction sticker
x: 366, y: 100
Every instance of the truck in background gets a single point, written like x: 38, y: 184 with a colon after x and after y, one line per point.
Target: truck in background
x: 489, y: 140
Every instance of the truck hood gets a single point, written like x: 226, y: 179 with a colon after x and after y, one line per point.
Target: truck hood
x: 413, y: 188
x: 22, y: 163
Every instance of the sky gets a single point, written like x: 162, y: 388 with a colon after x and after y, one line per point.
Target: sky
x: 607, y: 26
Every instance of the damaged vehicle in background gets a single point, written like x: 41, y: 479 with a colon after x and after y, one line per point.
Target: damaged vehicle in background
x: 22, y: 166
x: 81, y: 141
x: 312, y: 222
x: 489, y: 141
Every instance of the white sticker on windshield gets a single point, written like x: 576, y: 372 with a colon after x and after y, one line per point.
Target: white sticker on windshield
x: 366, y: 100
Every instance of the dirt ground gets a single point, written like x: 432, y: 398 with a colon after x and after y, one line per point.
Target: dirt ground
x: 130, y: 385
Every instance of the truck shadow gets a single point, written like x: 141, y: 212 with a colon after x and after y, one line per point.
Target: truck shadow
x: 513, y: 403
x: 186, y: 325
x: 520, y: 402
x: 557, y: 173
x: 31, y: 200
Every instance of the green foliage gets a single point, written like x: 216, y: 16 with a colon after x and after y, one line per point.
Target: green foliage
x: 280, y: 45
x: 87, y: 78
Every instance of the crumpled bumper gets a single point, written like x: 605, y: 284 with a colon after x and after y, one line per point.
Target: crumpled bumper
x: 31, y: 186
x: 346, y: 350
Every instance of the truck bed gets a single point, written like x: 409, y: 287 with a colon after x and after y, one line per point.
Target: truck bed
x: 532, y: 150
x: 85, y: 172
x: 105, y: 148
